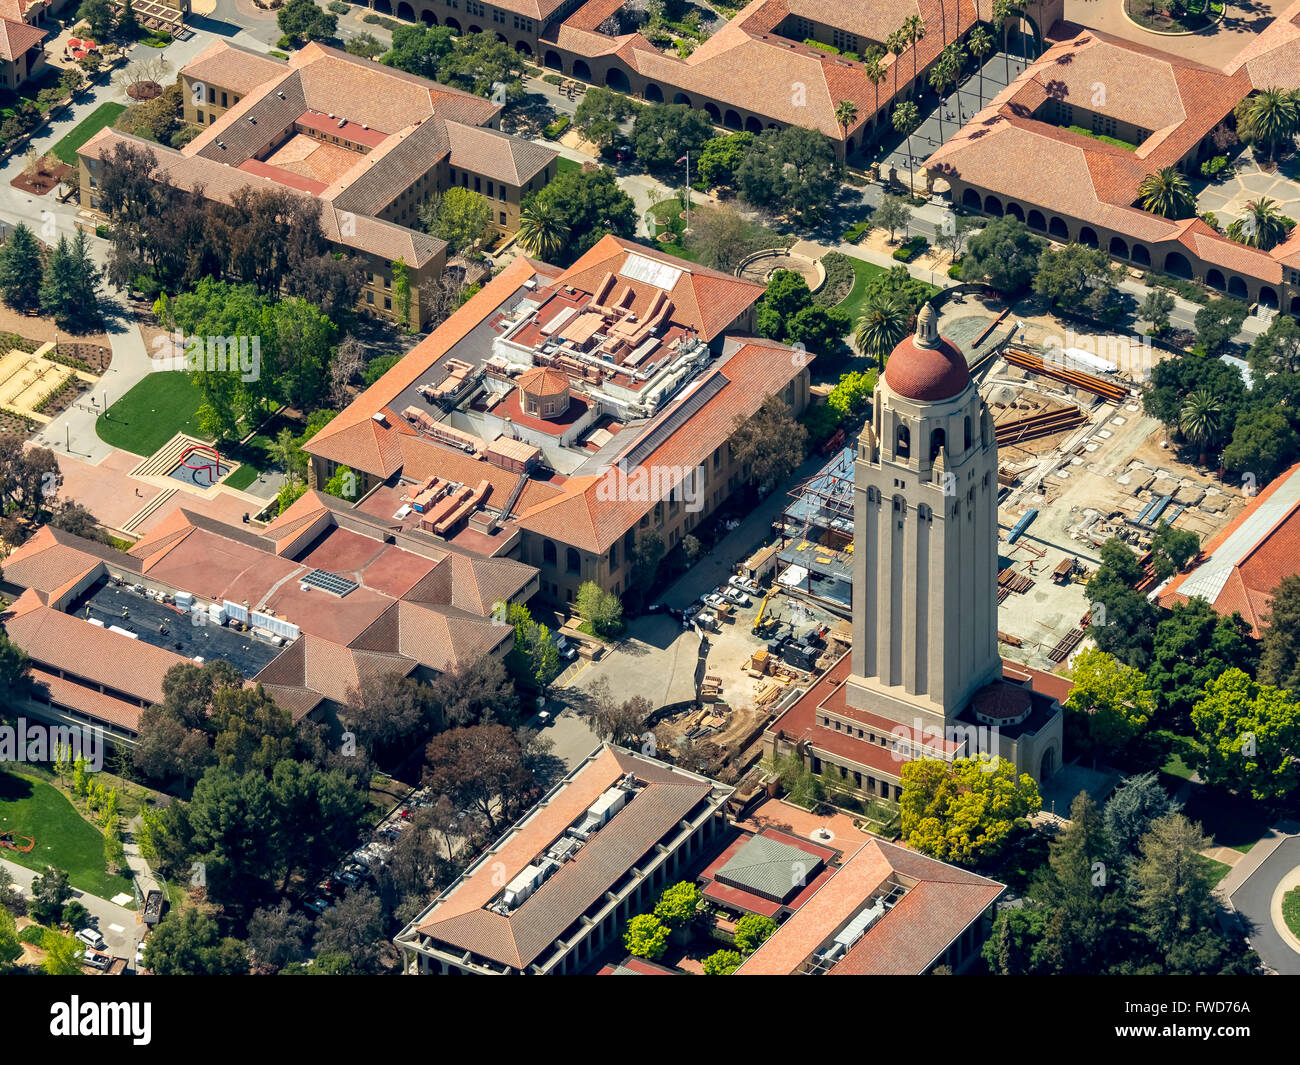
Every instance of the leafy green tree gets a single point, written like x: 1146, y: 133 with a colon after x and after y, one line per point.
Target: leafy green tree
x: 1263, y: 444
x: 787, y: 294
x: 1076, y: 278
x: 50, y: 892
x: 367, y: 45
x: 792, y: 170
x: 664, y: 133
x: 770, y: 442
x: 354, y: 927
x: 459, y: 216
x: 345, y: 484
x: 1277, y: 350
x: 389, y: 709
x: 1173, y: 882
x: 1192, y: 645
x: 893, y: 213
x: 1123, y: 620
x: 752, y: 930
x: 821, y: 330
x: 1133, y: 806
x: 1112, y: 695
x: 588, y: 204
x: 485, y: 66
x: 63, y: 954
x: 1078, y: 895
x: 679, y: 905
x: 646, y: 937
x: 600, y: 116
x: 1167, y: 192
x: 965, y: 811
x: 1004, y: 254
x: 419, y: 49
x: 721, y: 963
x: 851, y: 397
x: 1156, y: 308
x: 1280, y: 659
x: 1172, y: 549
x: 277, y: 937
x: 720, y: 158
x: 69, y: 287
x: 10, y: 947
x: 302, y: 21
x: 1217, y: 322
x: 1251, y: 732
x: 600, y: 608
x: 1012, y: 948
x: 20, y: 270
x: 100, y: 17
x: 188, y: 943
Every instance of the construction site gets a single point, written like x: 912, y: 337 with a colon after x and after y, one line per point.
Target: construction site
x: 1078, y: 463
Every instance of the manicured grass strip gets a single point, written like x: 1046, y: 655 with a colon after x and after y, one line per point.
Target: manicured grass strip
x: 1291, y: 910
x: 563, y: 165
x: 64, y: 839
x: 1218, y: 870
x: 103, y: 115
x: 155, y: 410
x: 242, y: 477
x: 863, y: 272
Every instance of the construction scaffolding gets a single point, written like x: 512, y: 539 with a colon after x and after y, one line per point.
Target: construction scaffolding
x: 823, y: 504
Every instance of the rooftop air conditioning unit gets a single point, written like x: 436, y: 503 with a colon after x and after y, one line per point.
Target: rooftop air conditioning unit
x: 280, y: 94
x: 252, y: 121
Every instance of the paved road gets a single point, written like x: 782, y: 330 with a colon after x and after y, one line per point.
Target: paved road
x: 116, y: 924
x: 1254, y: 901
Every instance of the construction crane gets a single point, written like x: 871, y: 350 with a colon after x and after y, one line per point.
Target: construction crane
x: 762, y: 610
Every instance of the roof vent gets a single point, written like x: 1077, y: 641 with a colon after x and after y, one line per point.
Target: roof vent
x: 379, y: 417
x: 342, y: 122
x: 252, y: 121
x: 331, y: 114
x: 281, y: 95
x: 221, y: 145
x: 364, y: 126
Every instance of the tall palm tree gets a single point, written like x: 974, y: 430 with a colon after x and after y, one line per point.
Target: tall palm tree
x: 896, y: 45
x: 1263, y: 226
x: 1167, y: 192
x: 875, y: 72
x: 845, y: 112
x: 940, y: 75
x: 906, y: 119
x: 914, y: 28
x: 1273, y: 116
x: 980, y: 44
x: 542, y: 230
x: 881, y: 326
x: 1001, y: 16
x: 1199, y: 420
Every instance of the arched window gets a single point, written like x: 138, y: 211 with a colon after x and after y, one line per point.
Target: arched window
x: 936, y: 443
x: 548, y: 552
x: 572, y: 562
x: 924, y: 513
x: 872, y: 495
x: 966, y: 433
x: 903, y: 442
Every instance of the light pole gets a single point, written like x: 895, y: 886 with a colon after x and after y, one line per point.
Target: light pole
x: 686, y: 189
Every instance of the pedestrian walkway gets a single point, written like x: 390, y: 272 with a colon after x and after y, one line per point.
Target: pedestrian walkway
x: 119, y: 926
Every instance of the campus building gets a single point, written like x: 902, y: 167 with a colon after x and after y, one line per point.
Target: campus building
x: 371, y: 144
x: 755, y: 73
x: 924, y: 677
x: 311, y: 608
x: 562, y: 883
x: 561, y: 417
x: 1035, y: 153
x: 22, y: 53
x: 1238, y: 570
x: 884, y: 911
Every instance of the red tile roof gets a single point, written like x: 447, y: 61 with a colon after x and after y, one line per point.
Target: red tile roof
x: 72, y: 696
x: 907, y: 941
x: 17, y: 37
x: 1252, y: 577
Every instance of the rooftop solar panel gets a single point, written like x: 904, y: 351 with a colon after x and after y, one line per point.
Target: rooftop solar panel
x: 675, y: 419
x: 330, y: 582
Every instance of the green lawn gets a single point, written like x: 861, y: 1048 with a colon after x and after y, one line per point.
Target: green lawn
x: 1291, y: 910
x: 63, y: 837
x: 1218, y: 870
x: 242, y: 477
x: 154, y: 411
x: 103, y: 115
x: 564, y: 165
x: 863, y: 272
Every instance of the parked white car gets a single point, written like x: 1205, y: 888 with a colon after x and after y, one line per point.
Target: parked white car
x: 744, y: 584
x: 91, y: 938
x: 737, y: 596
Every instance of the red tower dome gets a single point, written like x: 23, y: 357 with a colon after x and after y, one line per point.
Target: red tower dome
x: 925, y: 366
